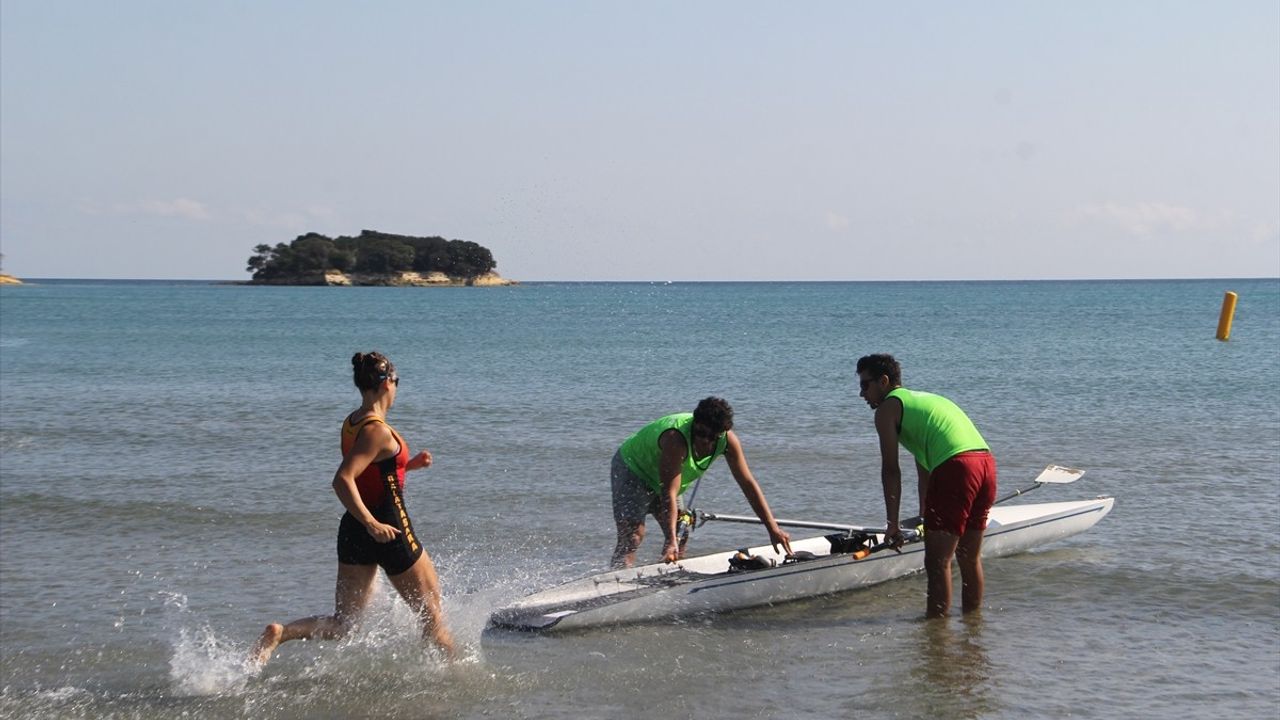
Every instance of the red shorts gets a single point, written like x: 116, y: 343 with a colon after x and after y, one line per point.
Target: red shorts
x: 961, y: 491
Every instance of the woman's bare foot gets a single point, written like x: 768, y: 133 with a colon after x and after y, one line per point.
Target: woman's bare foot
x: 266, y: 645
x: 450, y: 652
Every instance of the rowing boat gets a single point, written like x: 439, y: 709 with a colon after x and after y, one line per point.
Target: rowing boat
x: 724, y: 581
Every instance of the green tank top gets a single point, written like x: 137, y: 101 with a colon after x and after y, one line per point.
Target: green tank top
x: 641, y: 452
x: 934, y: 429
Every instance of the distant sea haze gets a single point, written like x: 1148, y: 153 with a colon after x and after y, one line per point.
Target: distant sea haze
x: 167, y: 447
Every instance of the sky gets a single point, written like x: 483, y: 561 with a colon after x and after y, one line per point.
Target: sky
x: 601, y: 140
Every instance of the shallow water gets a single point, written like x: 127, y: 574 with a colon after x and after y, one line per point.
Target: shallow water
x: 166, y: 451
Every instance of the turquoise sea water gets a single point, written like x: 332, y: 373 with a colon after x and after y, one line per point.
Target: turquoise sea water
x: 166, y: 451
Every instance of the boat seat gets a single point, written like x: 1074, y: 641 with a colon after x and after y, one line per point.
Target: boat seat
x: 741, y: 560
x: 846, y: 543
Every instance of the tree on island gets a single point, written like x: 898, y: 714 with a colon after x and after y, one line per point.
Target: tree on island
x: 370, y: 252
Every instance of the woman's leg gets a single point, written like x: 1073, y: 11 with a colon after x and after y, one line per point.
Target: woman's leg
x: 420, y: 588
x: 351, y: 595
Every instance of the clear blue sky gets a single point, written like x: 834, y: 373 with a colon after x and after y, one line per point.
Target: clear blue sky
x: 648, y: 141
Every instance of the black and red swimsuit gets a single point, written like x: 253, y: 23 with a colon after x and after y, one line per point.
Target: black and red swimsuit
x: 380, y: 487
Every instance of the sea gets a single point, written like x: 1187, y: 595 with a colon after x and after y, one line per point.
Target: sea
x: 167, y: 448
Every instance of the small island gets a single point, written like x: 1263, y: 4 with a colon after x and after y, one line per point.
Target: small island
x: 375, y: 258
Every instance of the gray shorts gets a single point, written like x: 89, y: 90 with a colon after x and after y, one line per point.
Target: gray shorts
x: 632, y: 497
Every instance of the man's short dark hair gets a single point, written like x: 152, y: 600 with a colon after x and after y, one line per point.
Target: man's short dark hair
x: 714, y: 413
x: 881, y: 364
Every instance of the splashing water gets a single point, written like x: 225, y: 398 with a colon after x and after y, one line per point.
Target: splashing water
x: 203, y: 664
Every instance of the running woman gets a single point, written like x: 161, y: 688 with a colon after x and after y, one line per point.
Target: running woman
x: 375, y: 531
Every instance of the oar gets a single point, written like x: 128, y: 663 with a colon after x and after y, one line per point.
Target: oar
x: 703, y: 516
x: 1053, y: 474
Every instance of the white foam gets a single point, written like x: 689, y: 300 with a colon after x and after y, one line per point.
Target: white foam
x: 203, y: 664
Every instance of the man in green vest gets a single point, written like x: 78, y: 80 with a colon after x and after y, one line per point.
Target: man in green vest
x: 956, y: 476
x: 660, y: 461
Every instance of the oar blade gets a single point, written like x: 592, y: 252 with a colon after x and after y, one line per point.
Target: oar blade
x: 1059, y: 474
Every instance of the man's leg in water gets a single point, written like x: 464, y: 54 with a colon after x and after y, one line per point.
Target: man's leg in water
x: 972, y: 582
x: 632, y: 500
x: 630, y: 535
x: 939, y: 548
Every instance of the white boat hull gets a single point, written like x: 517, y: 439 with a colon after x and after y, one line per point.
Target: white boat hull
x: 705, y: 584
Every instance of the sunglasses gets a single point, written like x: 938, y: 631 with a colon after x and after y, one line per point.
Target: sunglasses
x: 708, y: 433
x: 864, y: 384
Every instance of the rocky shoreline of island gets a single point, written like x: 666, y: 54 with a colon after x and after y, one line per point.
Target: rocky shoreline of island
x: 336, y: 278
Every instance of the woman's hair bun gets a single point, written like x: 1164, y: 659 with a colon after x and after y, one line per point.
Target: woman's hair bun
x: 370, y: 369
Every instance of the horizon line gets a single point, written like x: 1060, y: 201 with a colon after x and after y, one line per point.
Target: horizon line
x: 229, y: 281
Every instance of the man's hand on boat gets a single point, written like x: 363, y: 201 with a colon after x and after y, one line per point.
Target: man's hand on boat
x: 778, y: 536
x: 671, y: 551
x: 893, y: 536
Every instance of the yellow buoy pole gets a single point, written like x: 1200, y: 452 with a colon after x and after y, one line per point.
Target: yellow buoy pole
x: 1228, y: 312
